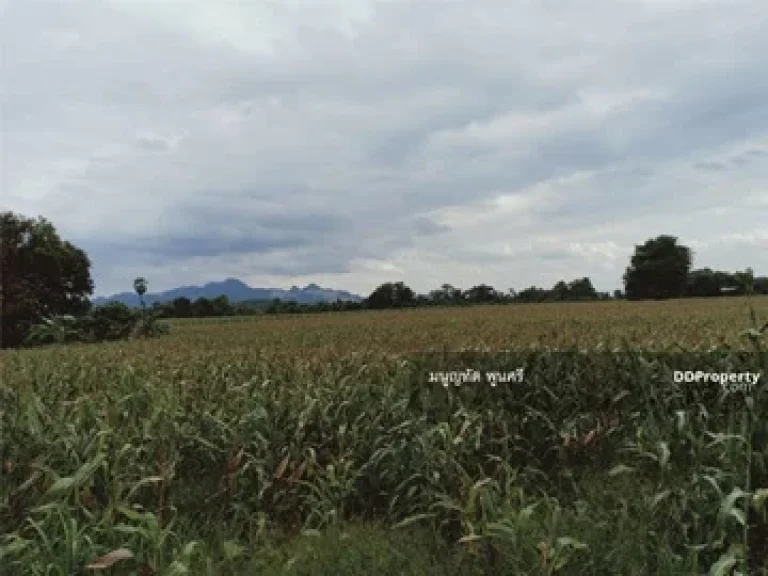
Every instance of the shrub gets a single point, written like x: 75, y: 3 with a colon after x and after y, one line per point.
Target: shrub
x: 113, y: 321
x: 54, y: 330
x: 148, y: 325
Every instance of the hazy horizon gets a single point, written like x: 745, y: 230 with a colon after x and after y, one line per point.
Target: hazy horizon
x: 352, y: 143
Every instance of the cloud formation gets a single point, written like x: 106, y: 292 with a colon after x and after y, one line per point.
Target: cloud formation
x: 352, y: 142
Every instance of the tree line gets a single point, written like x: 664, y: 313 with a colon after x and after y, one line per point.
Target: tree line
x: 659, y: 269
x: 46, y: 285
x: 388, y: 295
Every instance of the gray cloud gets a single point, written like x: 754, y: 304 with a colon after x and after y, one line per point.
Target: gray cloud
x: 747, y: 157
x: 712, y: 166
x: 346, y: 143
x: 153, y: 143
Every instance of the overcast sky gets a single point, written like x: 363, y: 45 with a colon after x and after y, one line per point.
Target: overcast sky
x: 352, y: 142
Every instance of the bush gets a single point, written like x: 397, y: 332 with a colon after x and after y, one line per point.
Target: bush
x: 113, y: 321
x: 148, y: 326
x: 54, y: 330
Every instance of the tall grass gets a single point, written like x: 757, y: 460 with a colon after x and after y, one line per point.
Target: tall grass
x: 329, y: 452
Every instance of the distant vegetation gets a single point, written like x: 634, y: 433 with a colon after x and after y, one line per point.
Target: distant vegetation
x: 660, y: 269
x: 113, y: 321
x: 46, y: 285
x: 236, y: 291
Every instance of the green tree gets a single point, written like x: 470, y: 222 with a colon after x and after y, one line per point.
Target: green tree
x: 702, y: 283
x: 221, y: 306
x: 481, y: 293
x: 55, y: 330
x: 391, y: 295
x: 745, y: 281
x: 202, y: 308
x: 560, y: 292
x: 140, y: 286
x: 582, y: 289
x: 658, y: 270
x: 112, y: 321
x: 447, y: 294
x: 532, y: 294
x: 182, y: 307
x: 41, y: 275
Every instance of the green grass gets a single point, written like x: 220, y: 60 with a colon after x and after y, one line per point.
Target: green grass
x: 317, y: 445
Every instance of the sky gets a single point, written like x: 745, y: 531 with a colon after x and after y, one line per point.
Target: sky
x: 352, y: 142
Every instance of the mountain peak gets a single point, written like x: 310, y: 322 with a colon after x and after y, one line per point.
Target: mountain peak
x: 236, y: 291
x: 233, y: 282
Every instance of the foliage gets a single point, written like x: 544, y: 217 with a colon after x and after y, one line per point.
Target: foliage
x: 113, y: 321
x: 181, y: 308
x: 708, y: 283
x: 391, y: 295
x: 318, y: 445
x: 658, y: 270
x: 140, y: 287
x: 55, y: 330
x: 42, y: 276
x: 203, y: 307
x: 578, y: 290
x: 447, y: 294
x: 482, y: 293
x: 148, y: 326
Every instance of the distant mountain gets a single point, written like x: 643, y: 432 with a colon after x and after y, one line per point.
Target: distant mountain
x: 236, y: 291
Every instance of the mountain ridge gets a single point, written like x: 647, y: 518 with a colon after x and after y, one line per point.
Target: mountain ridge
x: 236, y: 291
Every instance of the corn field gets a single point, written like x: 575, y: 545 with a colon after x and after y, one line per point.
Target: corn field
x: 319, y: 444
